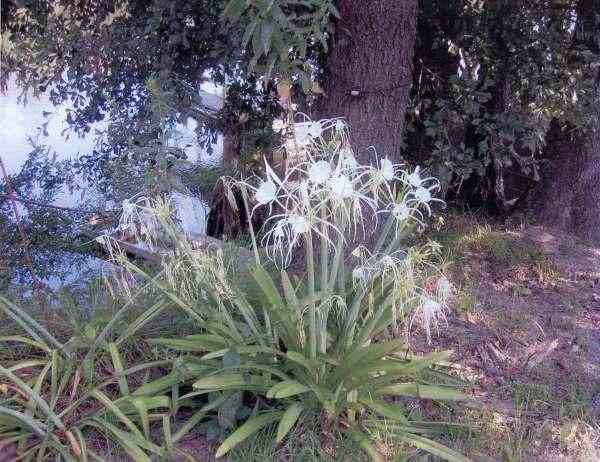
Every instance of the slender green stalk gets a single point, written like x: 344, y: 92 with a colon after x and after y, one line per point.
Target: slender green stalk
x: 324, y: 286
x: 312, y: 309
x: 384, y: 233
x: 341, y: 275
x: 250, y: 227
x: 338, y: 259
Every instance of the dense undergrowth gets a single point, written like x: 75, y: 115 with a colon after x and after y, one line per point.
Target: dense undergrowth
x: 258, y: 355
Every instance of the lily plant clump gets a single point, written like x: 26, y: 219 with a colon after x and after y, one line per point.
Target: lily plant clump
x: 323, y: 343
x: 328, y: 205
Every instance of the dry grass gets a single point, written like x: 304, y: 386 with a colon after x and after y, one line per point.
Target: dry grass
x: 525, y: 332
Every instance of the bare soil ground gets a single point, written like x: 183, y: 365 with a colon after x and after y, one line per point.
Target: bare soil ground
x: 525, y: 332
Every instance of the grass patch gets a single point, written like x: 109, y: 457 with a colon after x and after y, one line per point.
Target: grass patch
x: 466, y: 300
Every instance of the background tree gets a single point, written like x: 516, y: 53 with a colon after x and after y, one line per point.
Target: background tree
x: 569, y: 195
x: 368, y: 72
x: 466, y: 88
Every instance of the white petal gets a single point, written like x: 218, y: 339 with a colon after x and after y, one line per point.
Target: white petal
x: 319, y: 172
x: 414, y: 179
x: 348, y: 160
x: 401, y: 211
x: 266, y: 193
x: 341, y: 187
x: 387, y: 169
x: 423, y: 195
x: 299, y: 224
x: 315, y: 130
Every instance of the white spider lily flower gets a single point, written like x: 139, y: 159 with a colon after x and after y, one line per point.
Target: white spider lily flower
x: 350, y: 202
x: 287, y: 229
x: 423, y: 195
x: 306, y: 132
x: 414, y: 179
x: 319, y: 172
x: 340, y: 125
x: 429, y: 313
x: 301, y: 136
x: 444, y: 289
x: 381, y: 177
x: 341, y: 187
x: 401, y: 211
x: 266, y: 193
x: 367, y: 267
x: 347, y: 159
x: 315, y: 129
x: 270, y: 190
x: 391, y: 266
x: 361, y: 276
x: 387, y: 169
x: 298, y: 224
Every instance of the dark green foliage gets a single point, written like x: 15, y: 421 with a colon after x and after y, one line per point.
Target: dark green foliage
x: 488, y: 82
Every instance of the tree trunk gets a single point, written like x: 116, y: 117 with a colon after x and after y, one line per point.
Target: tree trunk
x: 369, y: 73
x: 569, y: 196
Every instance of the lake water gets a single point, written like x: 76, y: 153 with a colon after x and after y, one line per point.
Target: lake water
x: 19, y: 123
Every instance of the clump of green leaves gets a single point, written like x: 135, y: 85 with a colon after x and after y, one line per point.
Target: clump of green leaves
x: 54, y: 405
x: 315, y: 344
x: 281, y: 33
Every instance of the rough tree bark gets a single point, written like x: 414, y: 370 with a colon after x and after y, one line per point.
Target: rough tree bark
x: 569, y: 196
x: 369, y: 72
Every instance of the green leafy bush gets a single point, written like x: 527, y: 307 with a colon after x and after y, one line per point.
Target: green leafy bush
x: 50, y: 409
x: 321, y: 348
x: 316, y: 343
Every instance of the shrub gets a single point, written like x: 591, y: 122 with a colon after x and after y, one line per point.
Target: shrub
x: 321, y: 349
x: 51, y: 409
x: 316, y: 343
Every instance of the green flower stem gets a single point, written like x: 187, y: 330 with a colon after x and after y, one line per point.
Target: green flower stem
x: 384, y: 233
x: 312, y: 309
x: 250, y: 227
x: 338, y: 264
x: 324, y: 286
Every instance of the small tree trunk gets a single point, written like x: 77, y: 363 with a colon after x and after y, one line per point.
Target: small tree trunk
x: 231, y: 148
x: 369, y: 73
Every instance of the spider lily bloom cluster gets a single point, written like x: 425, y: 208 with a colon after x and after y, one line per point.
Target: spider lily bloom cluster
x: 331, y: 196
x: 325, y: 203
